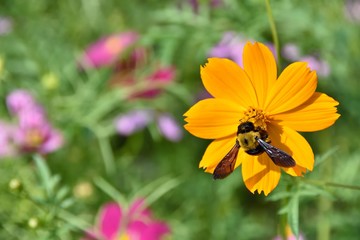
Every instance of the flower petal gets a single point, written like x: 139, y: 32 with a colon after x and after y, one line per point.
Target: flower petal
x: 155, y: 230
x: 294, y: 144
x: 295, y: 85
x: 213, y: 118
x: 110, y: 220
x: 216, y: 151
x: 223, y: 78
x: 260, y: 65
x: 260, y: 173
x: 138, y: 209
x: 317, y: 113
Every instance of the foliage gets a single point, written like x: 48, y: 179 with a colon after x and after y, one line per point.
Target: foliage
x: 49, y: 37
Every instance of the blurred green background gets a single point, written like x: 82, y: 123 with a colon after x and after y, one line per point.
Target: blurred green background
x: 51, y: 36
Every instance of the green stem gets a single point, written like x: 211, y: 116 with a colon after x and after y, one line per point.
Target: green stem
x: 107, y: 155
x: 273, y: 31
x: 331, y: 184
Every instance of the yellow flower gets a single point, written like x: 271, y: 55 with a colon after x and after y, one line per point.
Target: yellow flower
x: 281, y: 106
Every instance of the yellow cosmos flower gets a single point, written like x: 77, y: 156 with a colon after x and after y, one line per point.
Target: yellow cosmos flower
x: 281, y: 106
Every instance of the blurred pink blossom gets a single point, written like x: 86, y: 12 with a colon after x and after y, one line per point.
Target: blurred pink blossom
x: 6, y: 25
x: 107, y: 50
x: 145, y: 87
x: 212, y: 3
x: 231, y: 46
x: 6, y: 139
x: 352, y: 10
x: 135, y: 223
x: 320, y: 66
x: 155, y: 82
x: 289, y: 235
x: 35, y: 134
x: 291, y: 52
x: 32, y: 132
x: 20, y: 100
x: 134, y: 121
x: 169, y: 128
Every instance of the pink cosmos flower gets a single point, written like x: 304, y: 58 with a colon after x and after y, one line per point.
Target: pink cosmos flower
x: 148, y: 86
x: 291, y: 52
x: 6, y: 144
x: 35, y: 134
x: 135, y: 223
x: 6, y: 25
x: 155, y: 82
x: 169, y: 128
x: 352, y: 10
x: 20, y: 100
x: 134, y: 121
x: 321, y: 67
x: 231, y: 46
x: 212, y: 3
x: 107, y: 50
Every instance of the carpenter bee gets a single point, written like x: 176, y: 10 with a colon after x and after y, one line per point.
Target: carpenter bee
x: 254, y: 141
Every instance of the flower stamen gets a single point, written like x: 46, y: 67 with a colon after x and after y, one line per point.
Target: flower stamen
x: 257, y: 117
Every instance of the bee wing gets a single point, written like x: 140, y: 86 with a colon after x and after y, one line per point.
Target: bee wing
x: 278, y: 156
x: 227, y: 164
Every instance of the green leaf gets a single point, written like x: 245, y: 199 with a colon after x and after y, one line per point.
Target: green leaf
x: 111, y: 191
x: 279, y: 195
x: 44, y: 173
x: 293, y: 214
x: 61, y: 193
x: 284, y: 209
x: 323, y: 157
x: 161, y: 190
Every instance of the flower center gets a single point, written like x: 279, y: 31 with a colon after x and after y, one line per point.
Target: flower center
x: 257, y: 117
x: 33, y: 138
x: 113, y: 45
x: 124, y: 236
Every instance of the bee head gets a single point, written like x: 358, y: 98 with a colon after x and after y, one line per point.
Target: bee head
x: 245, y: 127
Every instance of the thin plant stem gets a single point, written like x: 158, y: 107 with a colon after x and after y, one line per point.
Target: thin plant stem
x: 331, y: 184
x: 107, y: 155
x: 273, y: 31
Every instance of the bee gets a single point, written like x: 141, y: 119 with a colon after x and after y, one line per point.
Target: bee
x: 254, y: 141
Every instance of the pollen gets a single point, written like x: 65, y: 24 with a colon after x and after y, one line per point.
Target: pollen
x: 257, y: 117
x: 33, y: 138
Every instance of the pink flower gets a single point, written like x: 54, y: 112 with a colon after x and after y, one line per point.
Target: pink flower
x: 155, y: 82
x: 32, y: 132
x: 134, y: 121
x: 231, y: 46
x: 20, y: 100
x: 148, y: 86
x: 6, y: 135
x: 107, y: 50
x: 5, y: 25
x: 169, y: 128
x: 212, y: 3
x: 291, y: 52
x: 320, y: 66
x: 35, y: 134
x: 135, y: 223
x: 289, y: 235
x: 352, y: 10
